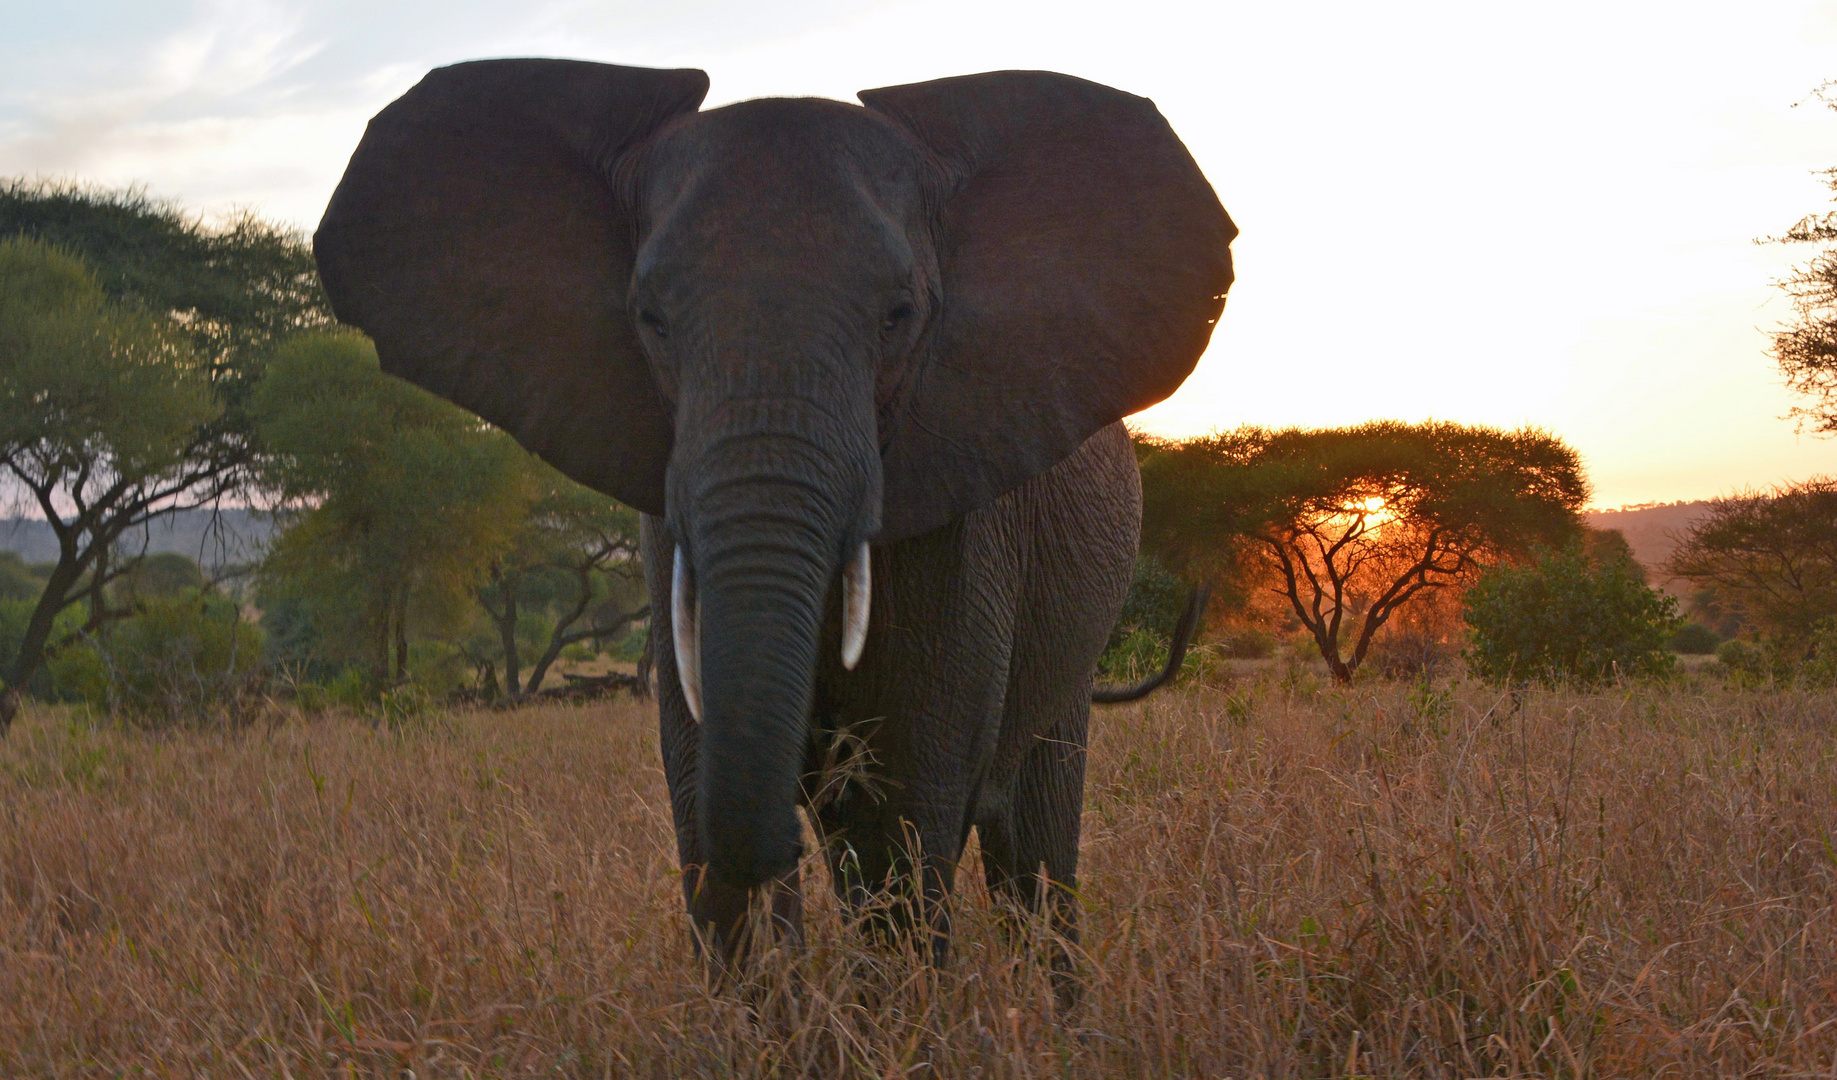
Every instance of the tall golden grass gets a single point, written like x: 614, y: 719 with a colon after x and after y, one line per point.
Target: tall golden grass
x: 1278, y: 882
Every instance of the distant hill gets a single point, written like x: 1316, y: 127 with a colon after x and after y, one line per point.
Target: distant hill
x: 1652, y: 531
x: 237, y: 536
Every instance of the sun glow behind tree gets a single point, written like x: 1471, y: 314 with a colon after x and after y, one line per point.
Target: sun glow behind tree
x: 1348, y: 525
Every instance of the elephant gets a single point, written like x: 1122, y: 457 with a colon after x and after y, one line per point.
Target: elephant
x: 863, y: 369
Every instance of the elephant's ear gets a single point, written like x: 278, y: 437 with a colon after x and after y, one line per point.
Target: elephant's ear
x: 1085, y: 260
x: 478, y: 238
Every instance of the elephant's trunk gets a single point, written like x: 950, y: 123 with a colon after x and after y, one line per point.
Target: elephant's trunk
x: 769, y: 526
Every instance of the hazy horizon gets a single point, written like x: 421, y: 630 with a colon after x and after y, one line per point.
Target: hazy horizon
x: 1499, y: 216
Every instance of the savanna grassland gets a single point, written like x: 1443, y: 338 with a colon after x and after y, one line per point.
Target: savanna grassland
x: 1279, y: 880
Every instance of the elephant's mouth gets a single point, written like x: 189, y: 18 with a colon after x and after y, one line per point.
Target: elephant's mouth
x: 686, y: 620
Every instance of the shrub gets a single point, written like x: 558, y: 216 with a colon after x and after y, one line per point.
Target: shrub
x: 1142, y: 653
x: 180, y: 657
x: 1567, y: 618
x: 1748, y: 663
x: 1695, y: 639
x: 1157, y: 599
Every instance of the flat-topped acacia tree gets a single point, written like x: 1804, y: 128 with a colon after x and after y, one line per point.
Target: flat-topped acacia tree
x: 1350, y: 524
x: 133, y: 336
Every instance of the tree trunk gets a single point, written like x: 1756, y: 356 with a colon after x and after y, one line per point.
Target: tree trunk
x: 32, y: 644
x: 558, y: 638
x: 378, y: 645
x: 401, y: 635
x: 507, y: 632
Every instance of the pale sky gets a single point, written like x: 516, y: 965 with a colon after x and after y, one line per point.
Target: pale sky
x: 1486, y: 212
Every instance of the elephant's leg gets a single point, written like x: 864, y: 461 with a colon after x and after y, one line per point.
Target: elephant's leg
x: 928, y: 692
x: 1030, y: 839
x: 720, y: 913
x: 893, y: 882
x: 1083, y: 519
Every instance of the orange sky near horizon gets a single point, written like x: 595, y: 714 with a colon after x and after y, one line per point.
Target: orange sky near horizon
x: 1484, y: 213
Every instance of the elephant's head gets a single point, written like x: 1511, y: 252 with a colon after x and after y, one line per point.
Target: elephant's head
x: 788, y: 326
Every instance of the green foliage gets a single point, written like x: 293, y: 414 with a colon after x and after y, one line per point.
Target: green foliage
x: 1567, y: 618
x: 101, y: 409
x: 163, y: 573
x: 1695, y: 639
x: 1819, y: 668
x: 570, y: 582
x: 1750, y: 663
x: 88, y: 384
x: 18, y: 581
x: 237, y: 291
x: 130, y: 335
x: 15, y: 620
x: 1770, y: 556
x: 1144, y: 631
x: 1157, y: 598
x: 1809, y: 661
x: 181, y: 657
x: 400, y: 502
x: 1142, y: 653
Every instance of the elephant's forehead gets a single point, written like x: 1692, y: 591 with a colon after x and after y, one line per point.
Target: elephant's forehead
x: 807, y: 148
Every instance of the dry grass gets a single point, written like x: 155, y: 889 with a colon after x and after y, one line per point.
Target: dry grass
x: 1280, y: 882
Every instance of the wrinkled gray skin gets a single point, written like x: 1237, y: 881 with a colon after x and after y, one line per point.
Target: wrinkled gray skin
x: 979, y: 656
x: 785, y: 327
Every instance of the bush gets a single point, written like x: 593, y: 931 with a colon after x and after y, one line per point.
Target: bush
x: 1748, y: 663
x: 1157, y: 599
x: 180, y: 657
x: 1819, y: 669
x: 1695, y: 639
x: 1567, y: 618
x: 1142, y: 653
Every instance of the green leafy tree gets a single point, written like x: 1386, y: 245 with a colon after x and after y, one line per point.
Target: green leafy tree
x: 205, y: 305
x: 395, y: 502
x: 1567, y: 617
x: 573, y: 562
x: 101, y: 406
x: 1348, y: 525
x: 235, y: 292
x: 1771, y: 556
x: 179, y: 656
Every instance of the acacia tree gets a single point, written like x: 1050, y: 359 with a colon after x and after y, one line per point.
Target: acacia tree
x: 1770, y: 554
x: 99, y: 412
x: 1807, y: 350
x: 143, y: 413
x: 395, y: 502
x: 1351, y: 524
x: 575, y: 555
x: 234, y: 291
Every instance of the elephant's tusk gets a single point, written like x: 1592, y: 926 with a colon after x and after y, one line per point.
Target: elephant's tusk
x: 857, y: 599
x: 686, y: 630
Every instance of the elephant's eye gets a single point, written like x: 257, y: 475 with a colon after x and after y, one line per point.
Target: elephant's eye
x: 654, y: 323
x: 896, y: 318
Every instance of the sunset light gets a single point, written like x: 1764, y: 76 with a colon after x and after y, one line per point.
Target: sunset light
x: 1433, y: 222
x: 877, y: 537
